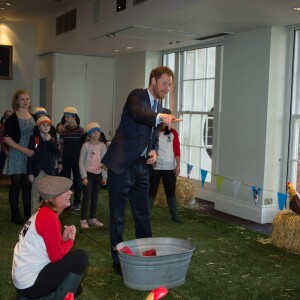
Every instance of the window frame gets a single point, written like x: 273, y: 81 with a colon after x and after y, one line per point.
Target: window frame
x: 217, y: 103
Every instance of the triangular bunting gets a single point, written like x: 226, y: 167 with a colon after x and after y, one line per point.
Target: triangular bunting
x: 203, y: 176
x: 281, y: 200
x: 236, y: 187
x: 219, y: 180
x: 189, y: 170
x: 255, y: 193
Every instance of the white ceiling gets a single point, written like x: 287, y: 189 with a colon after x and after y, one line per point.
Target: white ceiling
x: 164, y: 25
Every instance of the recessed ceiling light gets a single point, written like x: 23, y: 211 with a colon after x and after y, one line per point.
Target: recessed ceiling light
x: 2, y: 7
x: 129, y: 48
x: 116, y: 50
x: 8, y: 3
x: 296, y: 8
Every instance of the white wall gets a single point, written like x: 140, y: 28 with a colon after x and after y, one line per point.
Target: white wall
x: 46, y: 72
x: 25, y: 63
x: 132, y: 71
x: 87, y: 83
x: 251, y: 121
x: 129, y: 75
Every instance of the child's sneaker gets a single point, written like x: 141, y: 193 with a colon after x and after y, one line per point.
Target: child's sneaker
x: 77, y: 207
x: 95, y: 222
x: 84, y: 224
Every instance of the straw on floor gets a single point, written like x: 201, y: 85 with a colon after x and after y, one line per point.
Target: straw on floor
x: 228, y: 262
x: 286, y: 231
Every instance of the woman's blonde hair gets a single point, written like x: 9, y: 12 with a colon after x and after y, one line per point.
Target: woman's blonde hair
x: 47, y: 203
x: 16, y: 95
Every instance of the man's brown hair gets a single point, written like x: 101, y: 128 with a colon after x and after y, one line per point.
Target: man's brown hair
x: 159, y: 71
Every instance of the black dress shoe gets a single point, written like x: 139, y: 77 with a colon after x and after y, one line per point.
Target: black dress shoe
x: 117, y: 268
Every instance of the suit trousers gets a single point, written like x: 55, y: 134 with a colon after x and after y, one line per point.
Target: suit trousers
x: 132, y: 185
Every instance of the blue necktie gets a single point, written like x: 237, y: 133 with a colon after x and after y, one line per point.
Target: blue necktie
x: 153, y: 108
x: 154, y: 105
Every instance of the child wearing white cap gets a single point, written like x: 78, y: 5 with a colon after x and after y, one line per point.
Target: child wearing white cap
x: 70, y: 143
x: 43, y: 162
x: 40, y: 112
x: 93, y: 174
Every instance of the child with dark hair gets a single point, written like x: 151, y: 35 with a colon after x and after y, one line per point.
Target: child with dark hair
x: 167, y: 167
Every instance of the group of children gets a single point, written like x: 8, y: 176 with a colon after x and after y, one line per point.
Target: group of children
x: 67, y: 149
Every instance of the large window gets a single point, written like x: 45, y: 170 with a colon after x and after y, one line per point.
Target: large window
x: 195, y: 105
x: 295, y: 121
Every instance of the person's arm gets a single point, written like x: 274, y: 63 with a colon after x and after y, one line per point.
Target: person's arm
x: 82, y: 162
x: 177, y: 168
x: 103, y: 150
x: 138, y: 106
x: 49, y: 228
x: 11, y: 130
x: 176, y: 150
x: 53, y: 145
x: 61, y: 147
x: 12, y: 144
x: 1, y: 138
x: 30, y: 159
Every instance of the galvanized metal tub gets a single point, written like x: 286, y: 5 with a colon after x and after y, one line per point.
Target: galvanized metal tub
x: 168, y: 268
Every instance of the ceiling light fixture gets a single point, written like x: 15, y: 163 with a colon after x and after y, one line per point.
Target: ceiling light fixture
x: 129, y: 48
x: 2, y: 7
x: 296, y: 8
x: 8, y: 3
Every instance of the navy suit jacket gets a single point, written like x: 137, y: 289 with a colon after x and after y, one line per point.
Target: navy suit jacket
x: 134, y: 132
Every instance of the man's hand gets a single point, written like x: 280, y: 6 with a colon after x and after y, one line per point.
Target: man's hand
x: 168, y: 119
x: 151, y: 157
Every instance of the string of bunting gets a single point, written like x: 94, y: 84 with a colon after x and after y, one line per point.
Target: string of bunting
x: 255, y: 190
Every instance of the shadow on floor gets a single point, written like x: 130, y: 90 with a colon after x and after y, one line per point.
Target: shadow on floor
x: 208, y: 207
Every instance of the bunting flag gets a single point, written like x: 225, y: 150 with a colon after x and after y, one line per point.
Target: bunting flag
x: 236, y: 187
x: 189, y: 170
x: 255, y: 193
x: 219, y: 181
x: 203, y: 176
x: 281, y: 200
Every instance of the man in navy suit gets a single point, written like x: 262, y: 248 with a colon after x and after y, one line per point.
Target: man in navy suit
x: 131, y: 154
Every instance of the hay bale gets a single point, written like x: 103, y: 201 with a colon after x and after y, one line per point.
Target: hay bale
x: 185, y: 193
x: 286, y: 231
